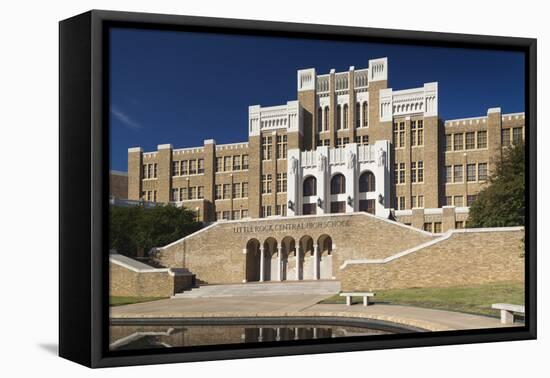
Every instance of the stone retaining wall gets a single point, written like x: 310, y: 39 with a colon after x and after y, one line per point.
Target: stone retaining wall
x: 467, y: 257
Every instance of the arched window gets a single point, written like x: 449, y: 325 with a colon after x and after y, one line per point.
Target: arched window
x: 338, y: 117
x: 367, y: 182
x: 357, y: 115
x: 310, y: 186
x: 345, y: 116
x: 327, y: 117
x: 338, y: 184
x: 319, y: 120
x: 365, y: 114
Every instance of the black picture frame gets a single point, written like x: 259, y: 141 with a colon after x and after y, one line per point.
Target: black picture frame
x: 83, y: 181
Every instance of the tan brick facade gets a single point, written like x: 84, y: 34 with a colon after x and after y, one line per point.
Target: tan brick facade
x: 434, y: 163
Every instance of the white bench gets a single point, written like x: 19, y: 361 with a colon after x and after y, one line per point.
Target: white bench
x: 507, y: 311
x: 350, y: 295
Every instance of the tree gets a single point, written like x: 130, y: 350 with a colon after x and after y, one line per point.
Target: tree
x: 502, y: 202
x: 137, y: 229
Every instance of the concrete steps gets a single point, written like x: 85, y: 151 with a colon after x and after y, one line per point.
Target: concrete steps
x: 263, y: 289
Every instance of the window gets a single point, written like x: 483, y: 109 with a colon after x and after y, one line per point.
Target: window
x: 175, y: 168
x: 245, y: 162
x: 437, y: 227
x: 281, y: 210
x: 400, y: 173
x: 149, y: 194
x: 244, y: 213
x: 428, y: 227
x: 505, y: 137
x: 420, y: 201
x: 459, y: 224
x: 413, y: 133
x: 367, y: 182
x: 175, y: 195
x: 227, y: 163
x: 448, y: 201
x: 237, y: 163
x: 281, y: 146
x: 338, y: 184
x: 267, y: 148
x: 309, y: 208
x: 218, y: 215
x: 245, y: 190
x: 342, y: 142
x: 266, y: 183
x: 226, y: 191
x: 417, y: 171
x: 357, y: 115
x: 310, y: 186
x: 218, y: 192
x: 338, y: 207
x: 368, y: 206
x: 338, y: 117
x: 458, y: 201
x: 155, y: 172
x: 362, y: 140
x: 281, y: 182
x: 470, y: 172
x: 482, y: 171
x: 448, y: 173
x: 417, y: 201
x: 266, y: 211
x: 420, y: 135
x: 327, y: 117
x: 470, y: 199
x: 448, y: 142
x: 200, y: 192
x: 482, y: 139
x: 200, y: 166
x: 470, y: 140
x: 345, y: 116
x: 227, y: 215
x: 154, y: 196
x: 193, y: 167
x: 183, y: 194
x: 219, y: 164
x: 516, y: 135
x: 457, y: 173
x: 365, y: 114
x: 192, y: 192
x: 236, y: 214
x: 184, y: 168
x: 458, y: 142
x: 413, y: 202
x: 319, y: 120
x: 237, y: 190
x: 401, y: 203
x: 401, y: 134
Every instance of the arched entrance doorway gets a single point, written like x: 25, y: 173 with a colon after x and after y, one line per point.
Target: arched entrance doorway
x: 271, y: 267
x: 289, y: 262
x: 305, y: 264
x: 325, y: 257
x: 252, y: 260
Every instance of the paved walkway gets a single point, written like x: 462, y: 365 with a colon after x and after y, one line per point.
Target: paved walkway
x: 301, y: 305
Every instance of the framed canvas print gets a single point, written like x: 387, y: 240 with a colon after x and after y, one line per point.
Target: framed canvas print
x: 234, y: 188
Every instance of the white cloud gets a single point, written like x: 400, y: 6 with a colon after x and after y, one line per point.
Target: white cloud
x: 125, y: 119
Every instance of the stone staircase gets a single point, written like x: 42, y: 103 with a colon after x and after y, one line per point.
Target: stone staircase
x: 257, y: 289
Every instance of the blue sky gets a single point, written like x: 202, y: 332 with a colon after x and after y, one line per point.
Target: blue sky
x: 182, y: 88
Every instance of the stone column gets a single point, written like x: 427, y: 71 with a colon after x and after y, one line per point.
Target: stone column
x: 262, y: 258
x: 315, y: 262
x: 297, y: 263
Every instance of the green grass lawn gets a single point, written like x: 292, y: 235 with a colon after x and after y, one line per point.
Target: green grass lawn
x: 470, y: 299
x: 120, y: 301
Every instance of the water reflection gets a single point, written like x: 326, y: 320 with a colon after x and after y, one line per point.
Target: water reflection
x: 133, y: 337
